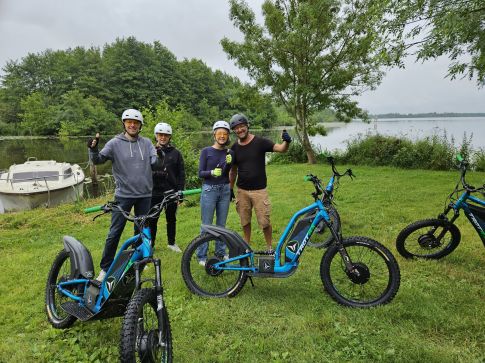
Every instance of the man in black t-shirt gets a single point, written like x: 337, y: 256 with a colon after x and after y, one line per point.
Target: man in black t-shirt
x: 249, y: 167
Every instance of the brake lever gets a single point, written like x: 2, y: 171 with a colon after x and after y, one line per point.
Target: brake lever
x: 99, y: 215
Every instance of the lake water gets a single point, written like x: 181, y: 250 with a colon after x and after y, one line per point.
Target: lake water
x: 412, y: 128
x: 74, y: 150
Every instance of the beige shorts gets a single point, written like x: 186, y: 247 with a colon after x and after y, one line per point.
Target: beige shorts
x: 246, y: 200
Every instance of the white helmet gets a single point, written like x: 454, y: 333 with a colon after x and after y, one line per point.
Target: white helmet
x: 132, y: 114
x: 221, y: 125
x: 162, y: 128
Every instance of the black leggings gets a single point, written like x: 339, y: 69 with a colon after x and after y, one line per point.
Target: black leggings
x: 170, y: 217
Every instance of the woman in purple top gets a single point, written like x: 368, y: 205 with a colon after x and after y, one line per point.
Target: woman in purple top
x: 214, y: 165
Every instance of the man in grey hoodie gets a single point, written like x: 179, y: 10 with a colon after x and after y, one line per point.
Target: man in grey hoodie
x: 133, y: 158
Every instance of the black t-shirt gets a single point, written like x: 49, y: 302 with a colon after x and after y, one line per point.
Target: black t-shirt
x: 250, y: 162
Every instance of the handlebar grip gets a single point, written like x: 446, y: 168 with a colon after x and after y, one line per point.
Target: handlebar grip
x: 94, y: 209
x: 459, y: 157
x: 307, y: 178
x: 191, y: 191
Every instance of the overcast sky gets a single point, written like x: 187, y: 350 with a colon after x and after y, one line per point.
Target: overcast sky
x: 193, y: 29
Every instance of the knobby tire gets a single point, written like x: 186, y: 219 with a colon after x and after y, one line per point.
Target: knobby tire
x: 424, y: 244
x: 379, y: 276
x: 201, y: 281
x: 56, y: 316
x: 134, y: 334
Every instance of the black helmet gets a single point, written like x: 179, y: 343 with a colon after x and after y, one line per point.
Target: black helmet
x: 238, y: 119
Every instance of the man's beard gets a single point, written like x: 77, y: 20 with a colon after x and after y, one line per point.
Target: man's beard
x: 242, y: 138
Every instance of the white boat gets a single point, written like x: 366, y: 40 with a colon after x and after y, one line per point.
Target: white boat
x: 39, y: 183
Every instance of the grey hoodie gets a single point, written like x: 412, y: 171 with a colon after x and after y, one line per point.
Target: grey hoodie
x: 132, y: 164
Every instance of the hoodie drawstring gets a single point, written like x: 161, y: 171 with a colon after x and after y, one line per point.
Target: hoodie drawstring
x: 139, y: 148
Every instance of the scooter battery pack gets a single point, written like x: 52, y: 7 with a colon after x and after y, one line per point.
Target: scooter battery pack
x: 266, y: 264
x: 90, y: 296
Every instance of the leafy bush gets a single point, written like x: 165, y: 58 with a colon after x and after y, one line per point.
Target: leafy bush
x: 429, y: 153
x: 8, y: 129
x: 479, y: 160
x: 295, y: 154
x: 435, y: 153
x: 375, y: 150
x: 406, y: 157
x: 317, y: 130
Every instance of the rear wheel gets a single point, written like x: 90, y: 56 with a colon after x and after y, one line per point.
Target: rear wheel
x: 322, y: 237
x: 145, y: 334
x: 429, y: 238
x: 373, y: 280
x: 59, y: 272
x: 203, y: 278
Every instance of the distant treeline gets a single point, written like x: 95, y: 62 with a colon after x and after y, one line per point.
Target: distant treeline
x: 76, y: 91
x: 429, y: 114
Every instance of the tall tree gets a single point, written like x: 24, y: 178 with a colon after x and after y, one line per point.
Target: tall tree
x: 255, y: 105
x: 313, y: 54
x: 38, y: 115
x: 455, y: 28
x: 138, y: 74
x: 79, y: 115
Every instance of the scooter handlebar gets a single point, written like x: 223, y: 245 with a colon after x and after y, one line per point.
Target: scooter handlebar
x: 191, y: 191
x: 94, y: 209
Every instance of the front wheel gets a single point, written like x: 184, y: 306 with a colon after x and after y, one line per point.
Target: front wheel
x: 59, y: 272
x: 145, y: 334
x: 373, y: 280
x: 429, y: 238
x: 202, y: 278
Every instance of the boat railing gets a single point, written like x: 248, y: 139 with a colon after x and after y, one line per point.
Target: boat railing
x: 45, y: 178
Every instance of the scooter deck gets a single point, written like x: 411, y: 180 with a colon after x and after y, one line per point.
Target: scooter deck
x: 112, y: 309
x: 80, y: 312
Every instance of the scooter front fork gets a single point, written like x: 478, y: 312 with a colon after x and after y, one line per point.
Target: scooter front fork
x: 158, y: 284
x: 444, y: 216
x: 162, y: 332
x: 158, y: 293
x: 349, y: 266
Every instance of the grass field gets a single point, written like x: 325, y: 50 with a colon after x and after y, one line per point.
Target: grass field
x: 437, y: 315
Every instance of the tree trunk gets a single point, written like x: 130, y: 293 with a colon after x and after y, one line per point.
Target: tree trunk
x: 303, y: 136
x: 310, y: 154
x: 94, y: 173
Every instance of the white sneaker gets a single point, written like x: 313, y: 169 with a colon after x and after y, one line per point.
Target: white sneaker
x: 101, y: 275
x: 202, y: 262
x: 223, y: 257
x: 174, y: 248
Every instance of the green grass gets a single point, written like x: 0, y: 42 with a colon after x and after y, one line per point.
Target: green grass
x: 437, y: 315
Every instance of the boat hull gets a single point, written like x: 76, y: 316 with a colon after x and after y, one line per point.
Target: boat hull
x: 14, y: 202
